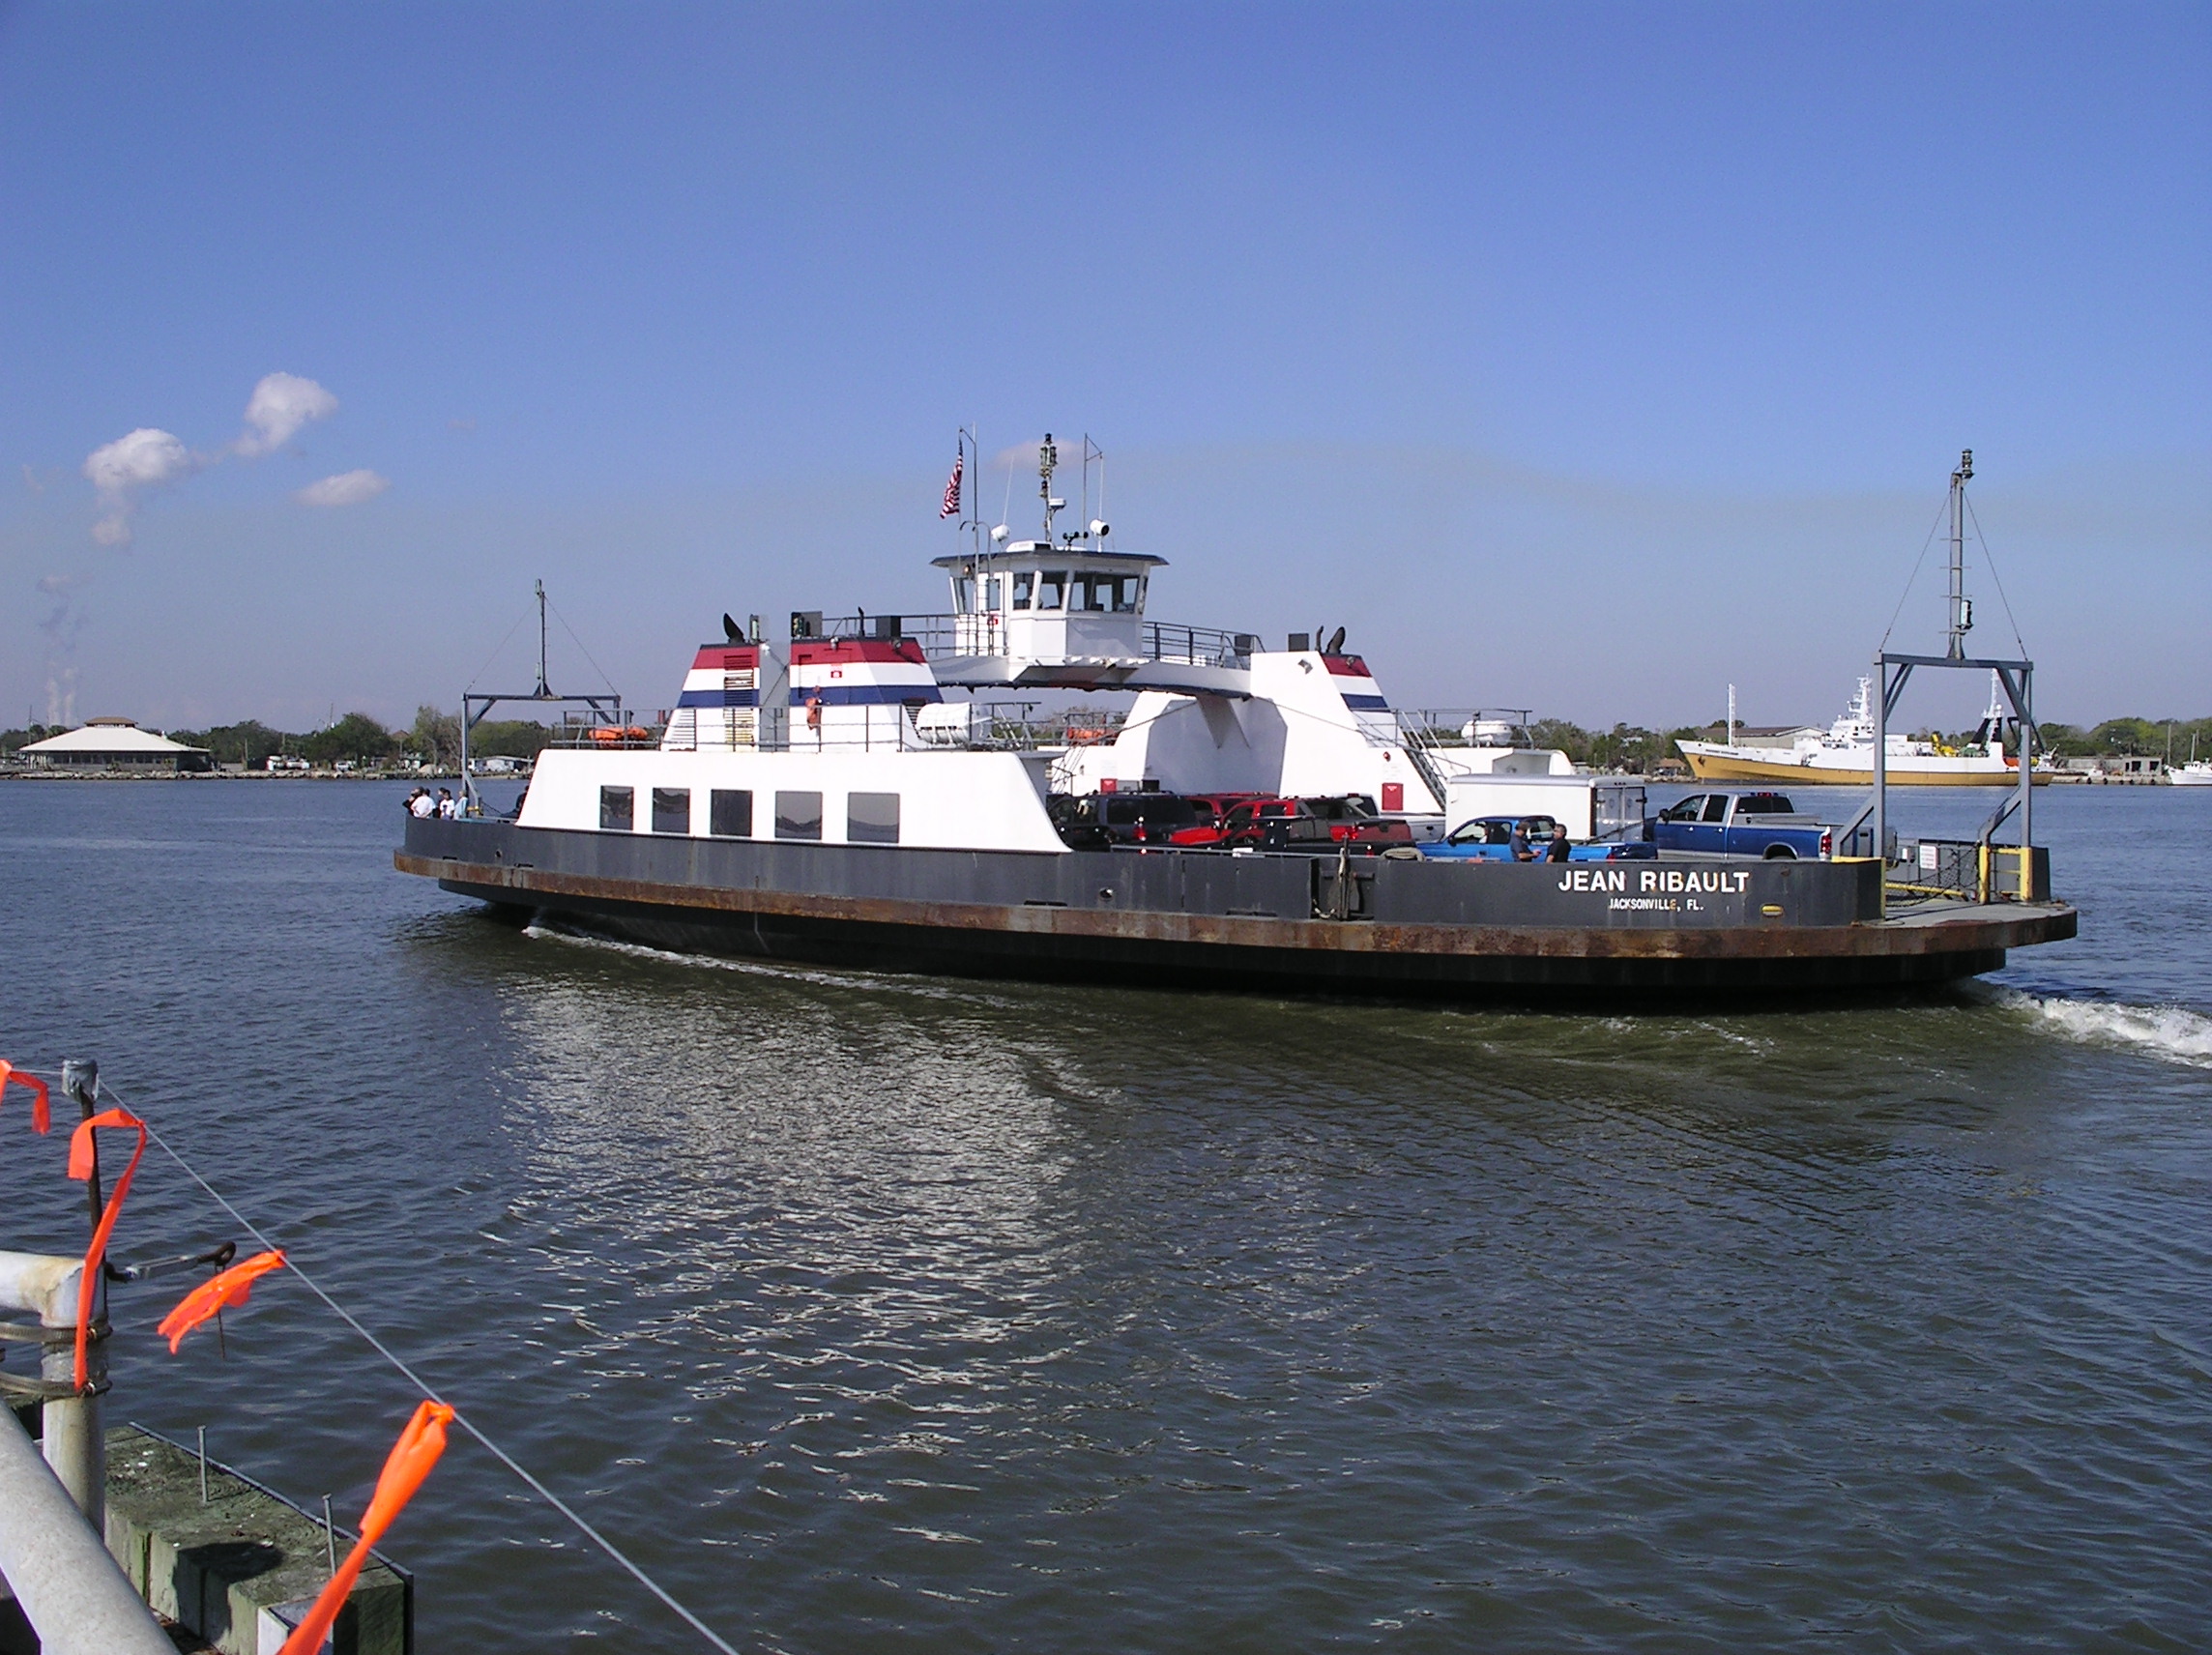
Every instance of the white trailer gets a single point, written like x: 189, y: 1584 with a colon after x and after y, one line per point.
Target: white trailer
x: 1588, y: 806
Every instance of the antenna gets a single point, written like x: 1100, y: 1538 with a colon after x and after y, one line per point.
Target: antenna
x: 543, y: 691
x: 1092, y: 451
x: 975, y: 524
x: 1048, y: 459
x: 1962, y: 607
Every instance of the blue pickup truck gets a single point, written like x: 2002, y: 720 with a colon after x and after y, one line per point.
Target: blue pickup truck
x: 1490, y: 839
x: 1740, y: 824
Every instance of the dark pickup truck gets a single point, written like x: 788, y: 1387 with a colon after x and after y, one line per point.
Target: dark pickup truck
x: 1740, y: 824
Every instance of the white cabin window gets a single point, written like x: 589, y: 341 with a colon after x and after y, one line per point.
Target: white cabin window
x: 672, y: 810
x: 618, y: 808
x: 798, y: 816
x: 1052, y: 588
x: 1024, y: 586
x: 871, y: 818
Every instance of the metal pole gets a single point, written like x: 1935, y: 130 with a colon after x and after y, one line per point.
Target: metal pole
x: 2026, y: 770
x: 1959, y: 619
x: 45, y: 1286
x: 80, y: 1082
x: 71, y: 1434
x: 542, y: 690
x: 75, y: 1595
x: 1882, y: 766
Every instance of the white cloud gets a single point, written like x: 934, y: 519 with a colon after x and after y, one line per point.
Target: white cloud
x: 347, y: 488
x: 121, y: 471
x: 280, y: 404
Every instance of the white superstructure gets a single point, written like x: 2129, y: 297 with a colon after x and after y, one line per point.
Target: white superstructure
x: 871, y: 730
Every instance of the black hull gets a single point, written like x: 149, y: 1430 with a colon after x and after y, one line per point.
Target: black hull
x: 1278, y: 924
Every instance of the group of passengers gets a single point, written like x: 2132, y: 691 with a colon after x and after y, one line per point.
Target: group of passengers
x: 445, y: 806
x: 1554, y: 849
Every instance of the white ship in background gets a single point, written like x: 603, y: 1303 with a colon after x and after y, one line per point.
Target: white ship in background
x: 1843, y: 754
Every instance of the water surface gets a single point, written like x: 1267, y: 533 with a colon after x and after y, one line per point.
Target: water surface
x: 876, y: 1313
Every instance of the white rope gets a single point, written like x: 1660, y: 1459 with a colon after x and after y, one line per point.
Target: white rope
x: 419, y: 1383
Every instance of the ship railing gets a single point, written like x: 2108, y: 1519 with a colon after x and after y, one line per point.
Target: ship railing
x: 951, y: 726
x: 1969, y: 870
x: 944, y: 637
x: 1429, y: 734
x: 635, y: 730
x: 1197, y: 646
x: 933, y: 632
x: 1435, y: 728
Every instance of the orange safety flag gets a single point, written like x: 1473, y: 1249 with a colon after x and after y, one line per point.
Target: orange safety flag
x: 81, y: 1164
x: 41, y: 1101
x: 214, y: 1296
x: 411, y: 1457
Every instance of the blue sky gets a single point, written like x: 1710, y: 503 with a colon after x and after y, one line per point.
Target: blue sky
x: 1578, y: 358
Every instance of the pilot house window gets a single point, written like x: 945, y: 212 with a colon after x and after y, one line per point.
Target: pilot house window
x: 1105, y: 594
x: 1052, y: 588
x: 1024, y: 586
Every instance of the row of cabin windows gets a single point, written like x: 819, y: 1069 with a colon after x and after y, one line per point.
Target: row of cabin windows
x: 1054, y: 590
x: 870, y: 818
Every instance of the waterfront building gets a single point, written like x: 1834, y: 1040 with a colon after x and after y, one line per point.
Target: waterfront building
x: 117, y: 745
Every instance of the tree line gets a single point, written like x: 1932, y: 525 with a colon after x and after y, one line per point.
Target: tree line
x: 1636, y: 750
x: 434, y: 739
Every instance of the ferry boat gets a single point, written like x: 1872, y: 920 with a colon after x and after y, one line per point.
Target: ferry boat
x: 849, y: 797
x: 1843, y: 754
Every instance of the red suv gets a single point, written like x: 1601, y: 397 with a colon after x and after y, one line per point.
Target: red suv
x: 1301, y: 824
x: 1214, y: 808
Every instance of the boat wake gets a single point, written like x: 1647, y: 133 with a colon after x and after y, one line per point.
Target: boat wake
x: 2170, y: 1030
x: 780, y: 970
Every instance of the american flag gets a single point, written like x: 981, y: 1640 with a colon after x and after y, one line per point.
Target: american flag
x: 951, y: 506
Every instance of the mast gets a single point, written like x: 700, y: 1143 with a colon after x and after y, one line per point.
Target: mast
x: 543, y: 694
x: 1048, y: 457
x: 1962, y: 608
